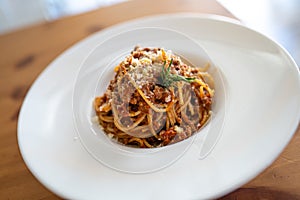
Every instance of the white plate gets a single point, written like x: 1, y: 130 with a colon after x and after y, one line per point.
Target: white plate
x: 263, y: 86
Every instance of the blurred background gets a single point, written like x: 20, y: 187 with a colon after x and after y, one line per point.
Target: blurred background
x: 278, y: 19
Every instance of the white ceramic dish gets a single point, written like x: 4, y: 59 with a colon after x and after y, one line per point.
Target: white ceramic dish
x: 264, y: 110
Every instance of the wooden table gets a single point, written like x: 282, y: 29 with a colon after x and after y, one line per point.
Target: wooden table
x: 25, y: 53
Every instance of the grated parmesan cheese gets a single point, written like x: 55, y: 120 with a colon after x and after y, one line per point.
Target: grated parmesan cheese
x: 168, y: 98
x: 178, y: 129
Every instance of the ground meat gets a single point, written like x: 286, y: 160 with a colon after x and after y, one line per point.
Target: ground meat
x: 175, y: 63
x: 162, y: 95
x: 168, y: 135
x: 207, y: 101
x: 133, y: 101
x: 158, y: 92
x: 144, y: 107
x: 137, y: 54
x: 147, y: 49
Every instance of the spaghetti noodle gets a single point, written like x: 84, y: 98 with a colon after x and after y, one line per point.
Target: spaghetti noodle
x: 155, y: 99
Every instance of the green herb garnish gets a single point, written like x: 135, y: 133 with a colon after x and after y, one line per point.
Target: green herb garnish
x: 169, y: 79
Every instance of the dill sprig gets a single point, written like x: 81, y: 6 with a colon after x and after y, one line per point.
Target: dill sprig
x: 169, y: 79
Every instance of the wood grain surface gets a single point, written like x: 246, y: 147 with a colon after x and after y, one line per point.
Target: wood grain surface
x: 26, y: 53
